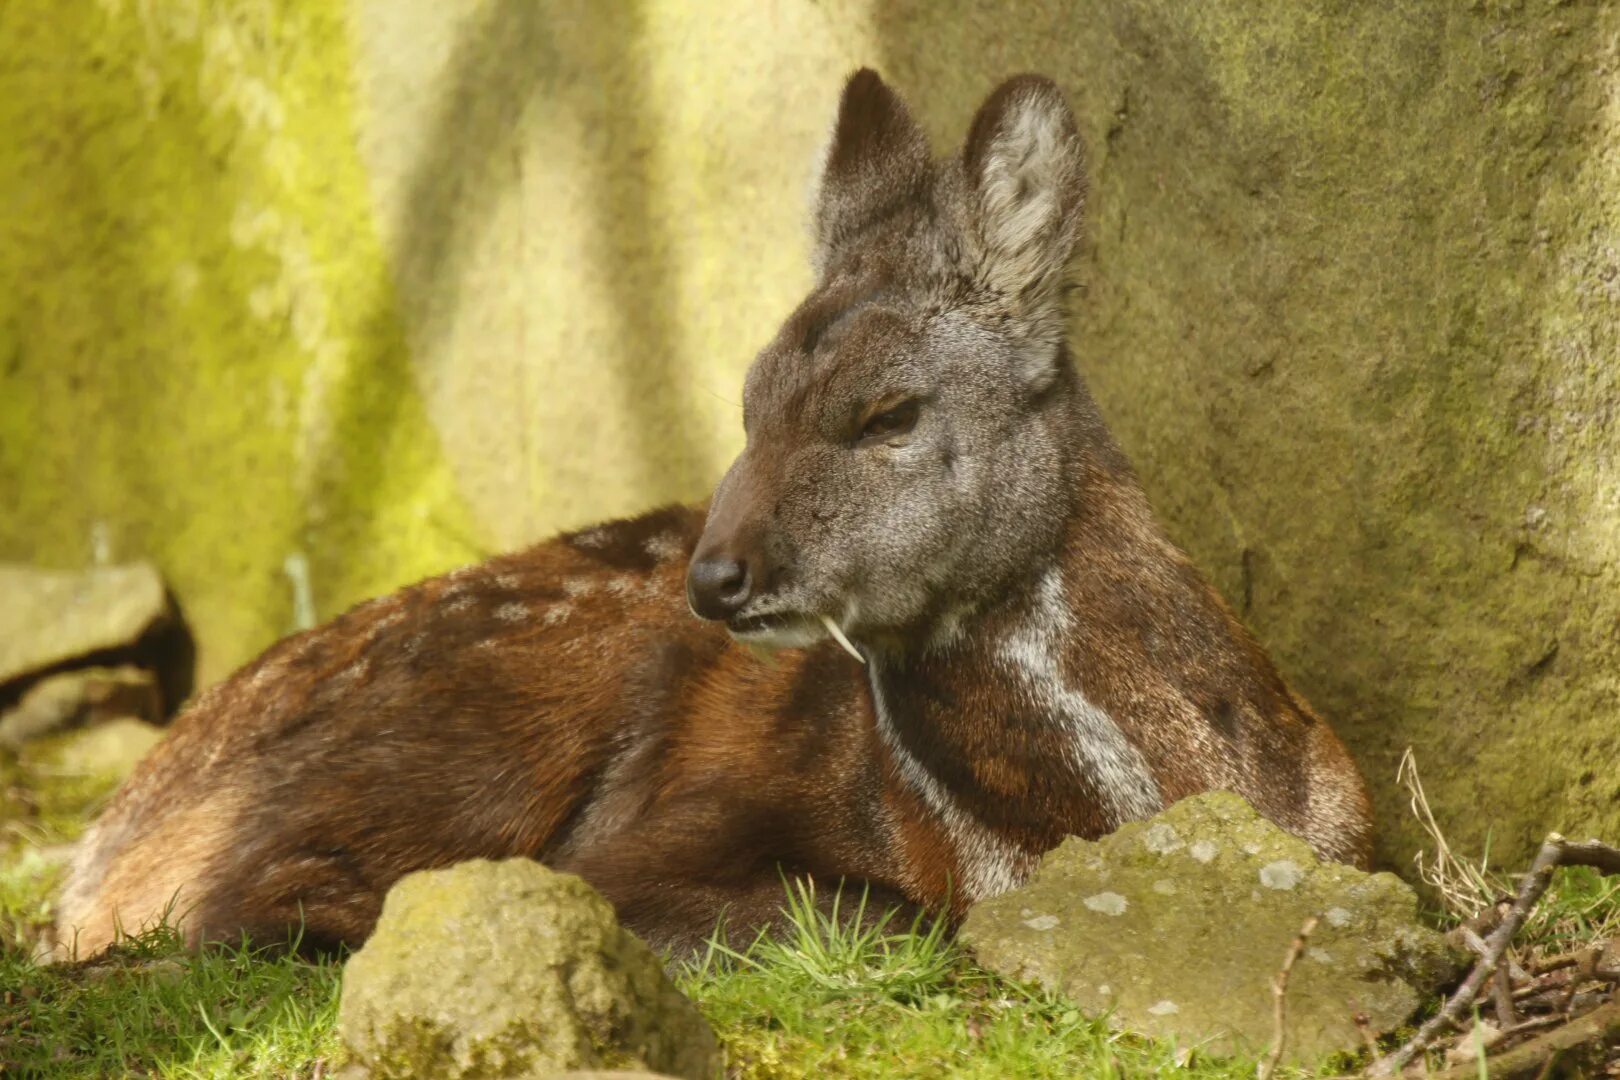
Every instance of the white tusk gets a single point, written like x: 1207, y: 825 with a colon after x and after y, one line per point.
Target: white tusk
x: 838, y: 636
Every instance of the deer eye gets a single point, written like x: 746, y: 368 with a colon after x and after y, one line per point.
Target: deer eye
x: 889, y: 423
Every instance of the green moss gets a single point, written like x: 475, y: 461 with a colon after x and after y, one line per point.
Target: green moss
x: 505, y: 968
x: 198, y: 339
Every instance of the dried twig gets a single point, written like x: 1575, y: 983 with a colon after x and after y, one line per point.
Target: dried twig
x: 1465, y: 889
x: 1585, y: 972
x: 1533, y: 1024
x: 1279, y: 995
x: 1557, y: 963
x: 1555, y: 852
x: 1502, y: 990
x: 1534, y: 1057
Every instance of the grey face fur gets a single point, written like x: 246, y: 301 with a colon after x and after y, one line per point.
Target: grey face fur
x: 911, y: 427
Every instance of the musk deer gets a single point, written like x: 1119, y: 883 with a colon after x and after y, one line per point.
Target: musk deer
x: 926, y: 484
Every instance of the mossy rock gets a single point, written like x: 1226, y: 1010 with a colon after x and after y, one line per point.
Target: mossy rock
x: 1175, y: 928
x: 509, y: 969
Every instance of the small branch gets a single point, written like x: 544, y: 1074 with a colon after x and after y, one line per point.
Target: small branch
x: 1585, y: 972
x: 1279, y: 995
x: 1557, y: 963
x: 1532, y: 1058
x: 1555, y: 852
x: 1502, y: 987
x: 1594, y: 853
x: 1533, y: 1024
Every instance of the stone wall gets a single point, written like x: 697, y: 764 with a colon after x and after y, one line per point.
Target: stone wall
x: 307, y: 300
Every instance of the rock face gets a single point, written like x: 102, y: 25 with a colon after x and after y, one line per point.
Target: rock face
x: 49, y: 616
x: 1176, y: 927
x: 1349, y: 304
x: 509, y: 969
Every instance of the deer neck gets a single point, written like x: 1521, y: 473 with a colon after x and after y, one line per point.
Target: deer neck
x: 991, y: 727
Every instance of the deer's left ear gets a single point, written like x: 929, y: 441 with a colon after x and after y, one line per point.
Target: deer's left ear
x: 877, y: 157
x: 1025, y: 167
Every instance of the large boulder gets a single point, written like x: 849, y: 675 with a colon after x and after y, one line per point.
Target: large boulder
x: 1176, y: 927
x: 509, y: 969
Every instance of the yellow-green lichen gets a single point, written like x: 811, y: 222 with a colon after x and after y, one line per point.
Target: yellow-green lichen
x: 200, y: 352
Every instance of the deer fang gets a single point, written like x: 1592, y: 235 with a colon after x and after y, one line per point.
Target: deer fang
x: 838, y: 636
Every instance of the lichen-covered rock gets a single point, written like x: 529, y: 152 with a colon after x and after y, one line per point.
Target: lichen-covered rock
x: 510, y: 969
x: 51, y: 616
x: 1176, y: 926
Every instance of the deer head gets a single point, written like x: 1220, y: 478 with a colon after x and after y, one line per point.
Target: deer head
x: 911, y: 428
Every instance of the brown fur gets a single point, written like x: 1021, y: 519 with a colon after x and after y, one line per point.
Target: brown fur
x: 1041, y: 660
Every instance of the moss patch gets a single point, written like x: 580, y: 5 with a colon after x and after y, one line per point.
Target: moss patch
x: 200, y: 353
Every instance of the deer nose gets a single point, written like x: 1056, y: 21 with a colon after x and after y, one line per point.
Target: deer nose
x: 717, y: 586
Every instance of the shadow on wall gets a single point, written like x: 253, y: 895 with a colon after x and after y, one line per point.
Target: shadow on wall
x: 516, y: 69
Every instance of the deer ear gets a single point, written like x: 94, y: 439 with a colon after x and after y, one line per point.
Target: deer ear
x: 1025, y: 168
x: 877, y: 157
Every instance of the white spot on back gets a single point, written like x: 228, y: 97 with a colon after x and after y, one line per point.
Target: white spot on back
x: 623, y: 585
x: 267, y: 673
x: 1096, y: 746
x: 592, y: 538
x: 394, y: 617
x: 665, y: 547
x: 459, y: 603
x: 508, y: 581
x: 578, y: 586
x: 513, y: 612
x: 556, y: 614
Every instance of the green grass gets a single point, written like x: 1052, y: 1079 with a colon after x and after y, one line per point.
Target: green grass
x: 833, y: 998
x: 155, y: 1010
